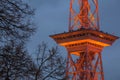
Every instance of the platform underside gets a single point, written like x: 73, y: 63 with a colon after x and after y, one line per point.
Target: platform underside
x: 78, y: 48
x: 84, y: 40
x: 81, y: 36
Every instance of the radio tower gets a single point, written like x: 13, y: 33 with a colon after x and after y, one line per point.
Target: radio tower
x: 84, y: 41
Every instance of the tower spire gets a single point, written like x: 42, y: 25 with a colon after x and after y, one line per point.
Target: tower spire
x: 85, y: 15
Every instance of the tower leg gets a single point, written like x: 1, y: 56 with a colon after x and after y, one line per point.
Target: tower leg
x: 87, y: 66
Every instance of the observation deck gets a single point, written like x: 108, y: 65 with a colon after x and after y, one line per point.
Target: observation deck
x: 80, y: 40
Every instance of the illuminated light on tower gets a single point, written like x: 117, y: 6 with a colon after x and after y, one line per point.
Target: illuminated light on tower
x: 84, y: 42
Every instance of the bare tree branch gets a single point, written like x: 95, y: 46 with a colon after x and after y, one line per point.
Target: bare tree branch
x: 50, y: 63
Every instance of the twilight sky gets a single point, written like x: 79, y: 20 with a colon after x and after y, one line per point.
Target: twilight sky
x: 51, y: 17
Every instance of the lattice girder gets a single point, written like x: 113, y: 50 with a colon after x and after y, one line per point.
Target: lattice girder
x: 85, y: 16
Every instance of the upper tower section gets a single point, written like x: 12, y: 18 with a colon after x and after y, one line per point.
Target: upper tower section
x: 83, y: 14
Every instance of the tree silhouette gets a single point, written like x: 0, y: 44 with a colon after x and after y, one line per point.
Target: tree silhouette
x: 15, y: 21
x: 15, y: 64
x: 15, y: 28
x: 50, y: 65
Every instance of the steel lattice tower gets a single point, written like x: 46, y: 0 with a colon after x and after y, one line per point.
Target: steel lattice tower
x: 84, y: 41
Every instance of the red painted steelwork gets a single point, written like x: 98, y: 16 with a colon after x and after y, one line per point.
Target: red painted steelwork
x: 84, y: 42
x: 84, y: 61
x: 86, y: 16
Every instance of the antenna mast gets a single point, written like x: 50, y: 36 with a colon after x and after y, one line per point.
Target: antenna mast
x: 85, y: 15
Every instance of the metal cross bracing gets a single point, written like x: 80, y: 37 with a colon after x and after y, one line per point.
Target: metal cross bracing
x: 88, y: 66
x: 84, y: 41
x: 86, y: 16
x: 84, y: 46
